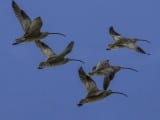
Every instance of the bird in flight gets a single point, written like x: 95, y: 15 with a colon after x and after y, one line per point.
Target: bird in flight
x: 103, y: 68
x: 52, y: 58
x: 93, y: 93
x: 123, y: 42
x: 30, y: 27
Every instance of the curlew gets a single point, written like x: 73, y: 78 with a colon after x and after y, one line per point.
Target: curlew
x: 30, y: 27
x: 123, y: 42
x: 52, y: 58
x: 103, y: 68
x: 93, y: 93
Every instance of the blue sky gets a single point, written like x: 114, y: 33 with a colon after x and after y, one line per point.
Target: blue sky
x: 27, y: 93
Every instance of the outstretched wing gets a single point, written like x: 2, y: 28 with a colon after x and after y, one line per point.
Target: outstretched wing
x: 115, y: 35
x: 67, y: 50
x: 35, y: 27
x: 107, y: 80
x: 23, y: 18
x: 45, y: 49
x: 136, y: 48
x: 140, y: 50
x: 89, y: 84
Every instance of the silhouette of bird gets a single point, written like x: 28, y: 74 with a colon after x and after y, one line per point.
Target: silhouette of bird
x: 93, y: 93
x: 31, y: 28
x: 123, y: 42
x: 52, y: 58
x: 103, y: 68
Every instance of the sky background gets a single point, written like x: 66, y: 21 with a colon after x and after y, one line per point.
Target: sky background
x: 27, y: 93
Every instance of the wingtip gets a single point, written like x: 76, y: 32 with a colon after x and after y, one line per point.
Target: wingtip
x: 13, y: 2
x: 80, y: 68
x: 38, y: 18
x: 71, y: 44
x: 81, y: 71
x: 111, y: 27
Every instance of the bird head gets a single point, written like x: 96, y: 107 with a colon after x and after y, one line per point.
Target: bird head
x: 43, y: 65
x: 111, y: 46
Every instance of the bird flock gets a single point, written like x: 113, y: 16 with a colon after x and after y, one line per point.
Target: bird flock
x: 33, y: 33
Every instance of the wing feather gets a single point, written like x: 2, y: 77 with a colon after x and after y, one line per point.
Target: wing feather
x: 23, y: 18
x: 45, y: 49
x: 89, y: 84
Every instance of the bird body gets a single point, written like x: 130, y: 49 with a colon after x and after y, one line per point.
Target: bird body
x: 54, y: 61
x: 96, y: 96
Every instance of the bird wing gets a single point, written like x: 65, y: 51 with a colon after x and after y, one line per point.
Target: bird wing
x: 107, y: 80
x: 136, y: 48
x: 101, y: 65
x: 89, y: 84
x: 23, y: 18
x: 140, y: 50
x: 35, y: 27
x: 67, y: 50
x: 45, y: 49
x: 115, y: 35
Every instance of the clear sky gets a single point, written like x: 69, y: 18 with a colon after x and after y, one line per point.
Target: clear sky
x: 27, y: 93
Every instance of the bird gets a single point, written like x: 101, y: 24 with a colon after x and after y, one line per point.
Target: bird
x: 103, y: 68
x: 52, y: 58
x: 30, y: 27
x: 123, y: 42
x: 93, y: 93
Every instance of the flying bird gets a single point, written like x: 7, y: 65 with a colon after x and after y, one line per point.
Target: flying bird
x: 103, y: 68
x: 30, y: 27
x: 93, y: 93
x: 123, y: 42
x: 52, y: 58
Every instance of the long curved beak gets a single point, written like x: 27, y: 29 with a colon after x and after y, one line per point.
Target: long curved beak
x: 144, y: 40
x: 120, y: 93
x: 59, y: 34
x: 129, y: 69
x: 77, y: 60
